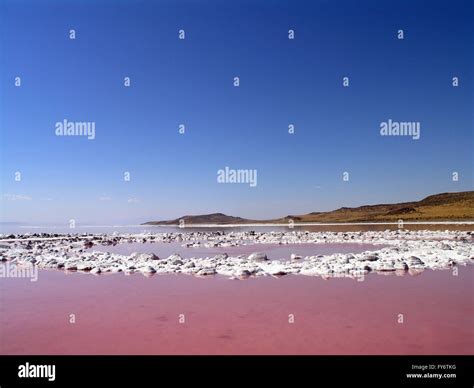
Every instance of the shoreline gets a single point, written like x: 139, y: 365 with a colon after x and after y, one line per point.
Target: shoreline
x: 402, y: 251
x: 300, y: 224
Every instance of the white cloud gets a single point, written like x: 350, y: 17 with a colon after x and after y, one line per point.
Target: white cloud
x: 133, y: 200
x: 105, y: 198
x: 17, y: 197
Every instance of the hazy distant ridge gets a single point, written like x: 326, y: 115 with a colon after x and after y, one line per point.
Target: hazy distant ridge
x: 438, y: 207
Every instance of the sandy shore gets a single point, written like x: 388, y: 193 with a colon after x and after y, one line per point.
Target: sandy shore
x: 400, y: 250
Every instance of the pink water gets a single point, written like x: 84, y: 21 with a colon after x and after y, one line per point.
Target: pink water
x: 273, y: 251
x: 118, y: 314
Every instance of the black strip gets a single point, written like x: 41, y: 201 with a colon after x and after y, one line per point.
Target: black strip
x: 318, y: 371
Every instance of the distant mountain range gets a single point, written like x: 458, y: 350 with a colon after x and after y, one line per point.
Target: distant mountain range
x: 440, y: 207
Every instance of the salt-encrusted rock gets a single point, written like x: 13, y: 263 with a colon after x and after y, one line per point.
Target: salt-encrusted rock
x: 439, y: 249
x: 95, y: 270
x: 244, y: 274
x: 257, y: 256
x: 174, y: 257
x: 84, y: 267
x: 386, y: 266
x: 148, y: 269
x: 401, y: 266
x: 347, y: 258
x: 415, y: 262
x: 147, y: 257
x: 295, y: 257
x: 221, y: 256
x: 206, y: 272
x: 70, y: 267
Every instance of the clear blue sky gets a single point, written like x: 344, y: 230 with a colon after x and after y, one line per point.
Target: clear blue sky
x: 191, y: 81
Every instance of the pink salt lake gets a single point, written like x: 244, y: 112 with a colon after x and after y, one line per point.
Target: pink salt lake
x: 119, y: 314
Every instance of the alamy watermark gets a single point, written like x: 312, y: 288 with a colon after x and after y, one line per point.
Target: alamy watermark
x: 9, y: 270
x: 400, y: 128
x: 37, y: 371
x: 75, y: 128
x: 230, y: 175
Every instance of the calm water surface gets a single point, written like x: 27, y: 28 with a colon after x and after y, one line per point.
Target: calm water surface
x: 119, y: 314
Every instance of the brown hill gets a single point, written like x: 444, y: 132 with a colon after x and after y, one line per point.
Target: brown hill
x: 214, y: 218
x: 440, y: 207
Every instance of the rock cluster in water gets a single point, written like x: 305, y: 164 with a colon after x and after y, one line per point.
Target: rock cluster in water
x: 403, y: 252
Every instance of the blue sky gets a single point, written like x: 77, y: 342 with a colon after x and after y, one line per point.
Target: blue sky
x: 190, y: 81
